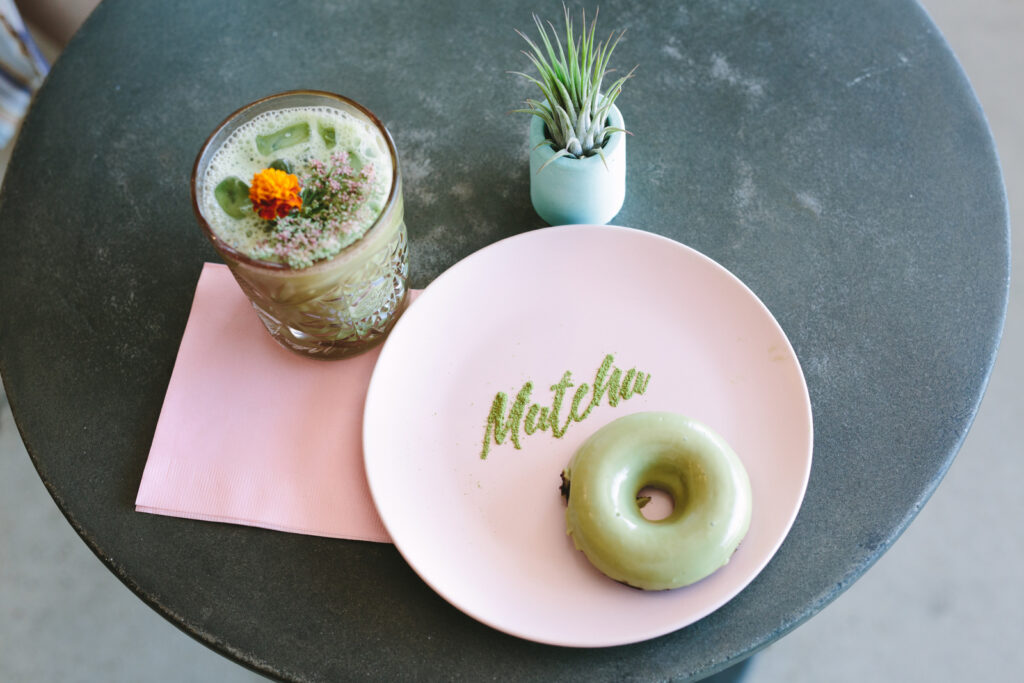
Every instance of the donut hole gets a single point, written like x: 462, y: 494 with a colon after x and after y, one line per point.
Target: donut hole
x: 660, y: 506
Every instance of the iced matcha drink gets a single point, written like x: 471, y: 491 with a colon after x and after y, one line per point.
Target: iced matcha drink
x: 301, y: 194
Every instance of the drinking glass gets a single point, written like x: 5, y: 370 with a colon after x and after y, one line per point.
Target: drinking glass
x: 340, y: 306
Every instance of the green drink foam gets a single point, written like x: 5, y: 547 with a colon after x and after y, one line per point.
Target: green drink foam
x: 296, y: 136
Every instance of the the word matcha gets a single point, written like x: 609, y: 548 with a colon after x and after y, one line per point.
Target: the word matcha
x: 610, y: 384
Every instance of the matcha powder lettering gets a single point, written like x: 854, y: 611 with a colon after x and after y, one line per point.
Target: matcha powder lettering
x: 522, y: 417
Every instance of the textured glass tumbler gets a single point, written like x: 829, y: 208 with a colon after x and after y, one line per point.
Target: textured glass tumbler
x: 340, y: 306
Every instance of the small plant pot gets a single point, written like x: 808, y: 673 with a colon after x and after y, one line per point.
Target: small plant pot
x: 582, y: 190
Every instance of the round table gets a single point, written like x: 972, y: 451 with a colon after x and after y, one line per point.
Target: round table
x: 830, y: 154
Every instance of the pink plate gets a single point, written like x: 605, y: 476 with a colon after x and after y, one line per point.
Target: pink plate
x: 489, y: 534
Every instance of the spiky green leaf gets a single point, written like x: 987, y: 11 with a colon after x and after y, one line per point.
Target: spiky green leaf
x: 570, y: 76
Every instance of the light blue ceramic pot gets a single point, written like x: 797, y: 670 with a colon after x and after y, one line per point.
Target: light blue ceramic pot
x: 583, y: 190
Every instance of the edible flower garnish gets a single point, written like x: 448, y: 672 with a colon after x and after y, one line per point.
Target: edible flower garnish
x: 338, y: 201
x: 274, y: 193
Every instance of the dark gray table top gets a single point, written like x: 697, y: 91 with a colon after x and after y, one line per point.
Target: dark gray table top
x: 831, y: 154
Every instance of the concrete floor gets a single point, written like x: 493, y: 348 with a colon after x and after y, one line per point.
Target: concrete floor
x: 945, y: 604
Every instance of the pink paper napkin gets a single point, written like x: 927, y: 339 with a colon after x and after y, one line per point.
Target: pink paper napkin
x: 253, y: 434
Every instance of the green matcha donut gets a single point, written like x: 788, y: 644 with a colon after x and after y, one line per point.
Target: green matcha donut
x: 675, y: 454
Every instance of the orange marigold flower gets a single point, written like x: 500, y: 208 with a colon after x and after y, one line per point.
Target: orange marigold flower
x: 274, y: 193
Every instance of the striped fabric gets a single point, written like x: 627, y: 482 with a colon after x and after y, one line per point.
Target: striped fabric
x: 22, y: 69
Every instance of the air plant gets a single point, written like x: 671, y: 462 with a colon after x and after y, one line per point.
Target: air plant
x: 574, y: 110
